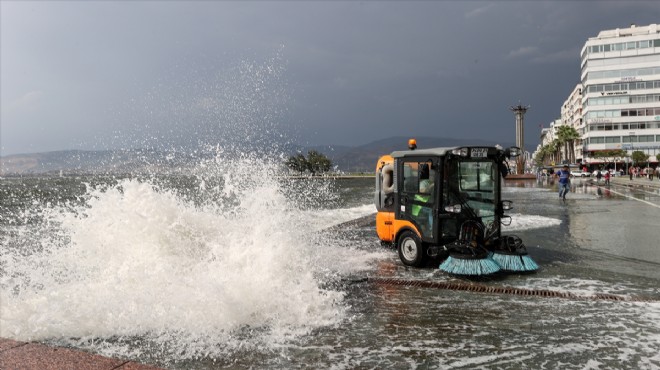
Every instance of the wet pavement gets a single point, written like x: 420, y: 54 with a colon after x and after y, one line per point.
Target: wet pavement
x: 636, y: 181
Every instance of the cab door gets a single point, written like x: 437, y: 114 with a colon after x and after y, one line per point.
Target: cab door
x: 474, y: 184
x: 448, y: 222
x: 418, y: 196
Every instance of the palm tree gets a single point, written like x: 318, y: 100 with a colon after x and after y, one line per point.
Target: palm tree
x: 541, y: 155
x: 546, y: 154
x: 556, y: 153
x: 567, y: 136
x: 572, y: 137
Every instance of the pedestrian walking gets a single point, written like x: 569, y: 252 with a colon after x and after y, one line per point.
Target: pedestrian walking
x: 598, y: 176
x: 564, y: 181
x: 607, y: 177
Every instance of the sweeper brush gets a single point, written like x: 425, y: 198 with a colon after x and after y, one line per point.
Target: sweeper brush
x: 468, y: 256
x: 512, y: 255
x: 459, y: 265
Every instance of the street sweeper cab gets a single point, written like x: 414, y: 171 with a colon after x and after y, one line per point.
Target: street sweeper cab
x: 445, y: 204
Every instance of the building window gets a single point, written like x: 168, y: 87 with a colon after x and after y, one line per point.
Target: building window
x: 613, y: 139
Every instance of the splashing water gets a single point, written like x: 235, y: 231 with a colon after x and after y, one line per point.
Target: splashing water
x: 235, y: 263
x: 223, y: 254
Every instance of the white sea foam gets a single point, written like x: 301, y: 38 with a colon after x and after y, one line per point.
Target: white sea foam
x: 140, y: 261
x: 514, y: 189
x: 578, y: 286
x: 528, y: 222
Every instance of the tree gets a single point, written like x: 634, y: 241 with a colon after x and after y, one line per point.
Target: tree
x: 639, y: 157
x: 615, y: 154
x: 315, y: 163
x: 554, y: 147
x: 297, y: 163
x: 657, y: 156
x: 539, y: 157
x: 567, y: 136
x: 544, y: 155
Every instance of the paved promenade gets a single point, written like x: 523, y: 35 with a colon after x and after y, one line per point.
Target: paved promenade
x: 34, y: 356
x: 636, y: 181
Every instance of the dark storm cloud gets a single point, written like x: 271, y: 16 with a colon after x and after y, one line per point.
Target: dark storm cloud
x: 99, y: 74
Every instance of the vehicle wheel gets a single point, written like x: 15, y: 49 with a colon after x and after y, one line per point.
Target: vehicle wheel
x: 411, y: 251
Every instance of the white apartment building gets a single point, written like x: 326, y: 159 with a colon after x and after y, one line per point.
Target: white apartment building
x: 571, y: 115
x: 548, y: 135
x: 620, y: 74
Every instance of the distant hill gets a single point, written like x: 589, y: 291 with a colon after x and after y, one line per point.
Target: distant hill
x: 348, y: 159
x: 92, y: 162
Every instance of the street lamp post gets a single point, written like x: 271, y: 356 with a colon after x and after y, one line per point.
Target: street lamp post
x: 520, y: 111
x: 631, y: 134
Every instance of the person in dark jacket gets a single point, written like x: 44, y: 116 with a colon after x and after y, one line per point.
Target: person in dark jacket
x: 564, y: 181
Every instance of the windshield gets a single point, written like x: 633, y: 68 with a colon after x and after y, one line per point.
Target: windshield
x: 478, y: 183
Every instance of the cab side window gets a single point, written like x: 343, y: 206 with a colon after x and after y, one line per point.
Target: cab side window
x: 418, y: 177
x: 410, y: 177
x: 426, y: 179
x: 418, y: 183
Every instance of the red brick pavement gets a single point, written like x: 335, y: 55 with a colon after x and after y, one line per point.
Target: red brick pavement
x: 34, y: 356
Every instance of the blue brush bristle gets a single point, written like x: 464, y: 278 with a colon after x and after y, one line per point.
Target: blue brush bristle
x: 529, y: 263
x: 459, y: 266
x: 512, y: 262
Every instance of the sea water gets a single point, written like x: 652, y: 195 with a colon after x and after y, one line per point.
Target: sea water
x: 236, y: 265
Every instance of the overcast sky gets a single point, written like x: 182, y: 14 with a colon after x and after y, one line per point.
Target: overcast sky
x: 121, y: 74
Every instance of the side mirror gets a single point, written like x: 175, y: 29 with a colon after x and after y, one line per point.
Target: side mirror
x: 455, y: 208
x: 505, y: 220
x: 507, y: 205
x: 512, y: 152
